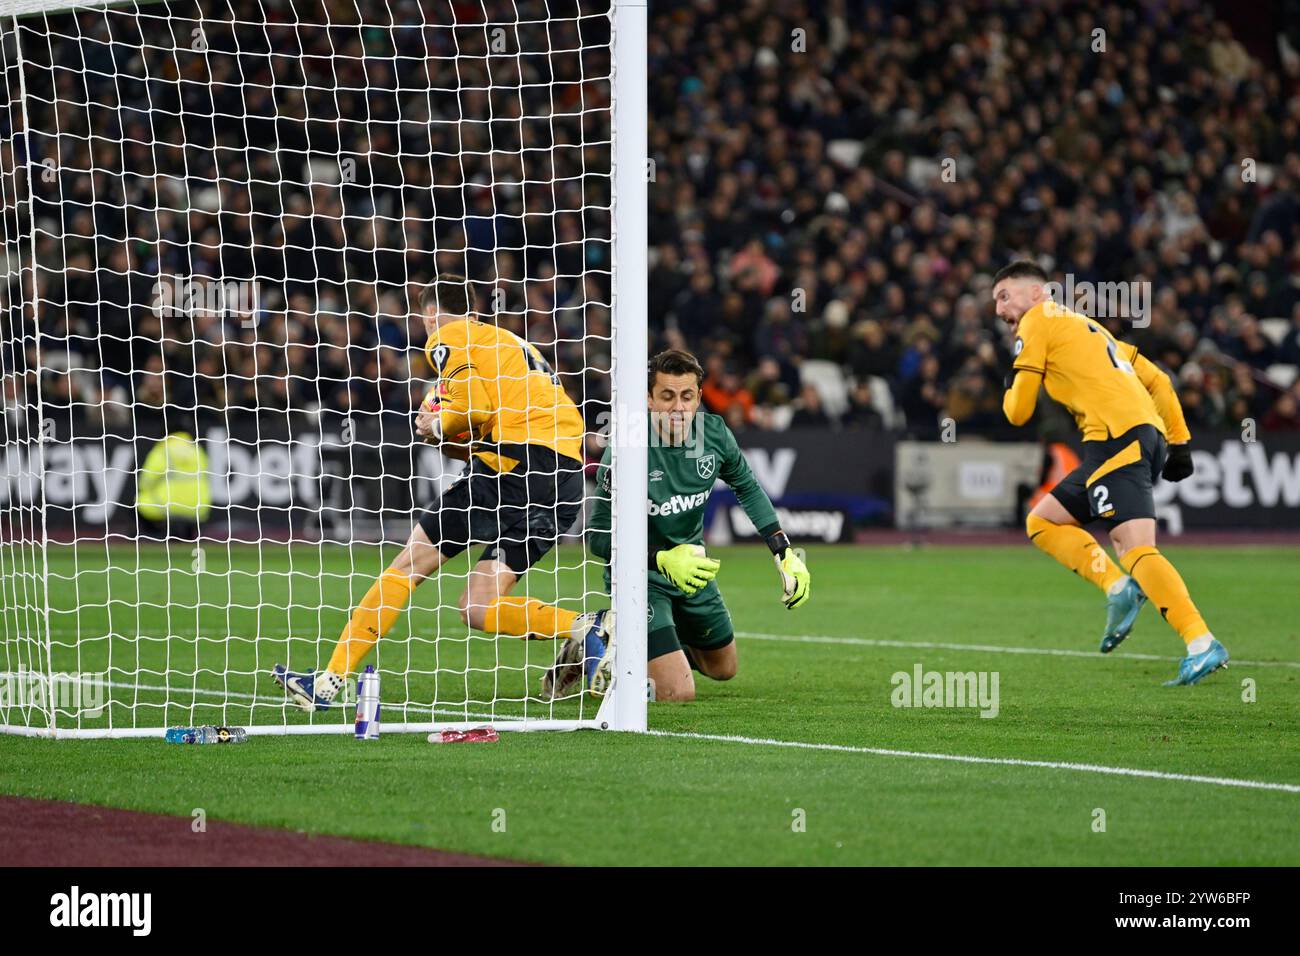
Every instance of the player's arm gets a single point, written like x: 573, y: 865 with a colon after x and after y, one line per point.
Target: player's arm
x: 1178, y: 465
x: 680, y: 565
x: 796, y: 582
x: 1162, y: 392
x: 463, y: 407
x: 1030, y: 365
x: 683, y: 566
x: 1021, y: 398
x: 429, y: 427
x: 466, y: 405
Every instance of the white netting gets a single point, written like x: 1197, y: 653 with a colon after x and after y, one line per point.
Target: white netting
x: 218, y: 219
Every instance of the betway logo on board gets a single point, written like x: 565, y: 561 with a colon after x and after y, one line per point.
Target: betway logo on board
x: 96, y: 475
x: 820, y: 524
x: 677, y: 504
x: 1241, y: 475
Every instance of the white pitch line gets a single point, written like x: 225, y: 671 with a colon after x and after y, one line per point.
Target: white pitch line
x: 998, y: 761
x: 196, y: 691
x: 988, y: 648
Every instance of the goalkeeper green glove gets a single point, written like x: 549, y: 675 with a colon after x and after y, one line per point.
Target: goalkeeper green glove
x: 686, y: 567
x: 796, y: 582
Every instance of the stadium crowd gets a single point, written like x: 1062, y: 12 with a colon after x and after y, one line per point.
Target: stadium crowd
x: 834, y: 185
x: 239, y: 228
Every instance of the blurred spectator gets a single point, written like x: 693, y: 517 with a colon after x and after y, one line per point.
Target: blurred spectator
x: 808, y: 411
x: 970, y: 401
x: 870, y: 352
x: 862, y: 412
x: 1290, y: 349
x: 1285, y: 413
x: 722, y: 391
x: 923, y: 396
x: 767, y: 390
x: 752, y: 266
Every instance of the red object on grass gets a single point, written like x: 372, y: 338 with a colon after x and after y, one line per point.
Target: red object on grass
x: 485, y: 735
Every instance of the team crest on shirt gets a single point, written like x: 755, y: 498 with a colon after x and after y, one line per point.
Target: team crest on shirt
x: 706, y: 466
x: 1019, y: 347
x: 439, y: 358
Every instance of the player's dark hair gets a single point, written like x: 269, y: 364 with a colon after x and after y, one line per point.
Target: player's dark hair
x: 675, y: 362
x: 450, y: 293
x: 1021, y: 269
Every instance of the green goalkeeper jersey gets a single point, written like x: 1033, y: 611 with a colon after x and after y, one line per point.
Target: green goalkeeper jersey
x: 681, y: 479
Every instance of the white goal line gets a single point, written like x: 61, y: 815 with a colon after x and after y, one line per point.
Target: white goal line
x: 503, y: 724
x: 983, y: 648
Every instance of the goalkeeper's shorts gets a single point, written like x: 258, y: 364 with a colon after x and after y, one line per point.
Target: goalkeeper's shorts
x: 1115, y: 483
x: 700, y: 620
x: 518, y: 514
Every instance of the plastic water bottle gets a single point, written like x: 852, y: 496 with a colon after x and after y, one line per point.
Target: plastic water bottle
x: 207, y: 734
x: 486, y: 735
x: 366, y: 726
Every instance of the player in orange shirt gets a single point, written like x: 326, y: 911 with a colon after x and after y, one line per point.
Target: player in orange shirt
x: 503, y: 409
x: 1133, y: 431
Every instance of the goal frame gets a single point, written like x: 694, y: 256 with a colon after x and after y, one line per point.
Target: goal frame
x: 624, y: 707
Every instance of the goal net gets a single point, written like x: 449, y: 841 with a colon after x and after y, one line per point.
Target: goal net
x: 218, y: 221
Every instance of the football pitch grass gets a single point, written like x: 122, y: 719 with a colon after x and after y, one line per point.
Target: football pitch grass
x: 860, y: 781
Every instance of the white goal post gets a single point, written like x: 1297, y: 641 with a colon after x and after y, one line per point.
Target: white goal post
x: 217, y: 223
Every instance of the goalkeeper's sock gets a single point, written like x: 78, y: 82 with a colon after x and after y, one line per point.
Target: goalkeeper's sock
x: 1165, y: 587
x: 527, y: 617
x: 376, y: 613
x: 327, y: 685
x: 1076, y: 549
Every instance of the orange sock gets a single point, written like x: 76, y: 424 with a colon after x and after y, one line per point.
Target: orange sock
x: 527, y: 617
x: 385, y: 600
x: 1076, y: 549
x: 1164, y: 586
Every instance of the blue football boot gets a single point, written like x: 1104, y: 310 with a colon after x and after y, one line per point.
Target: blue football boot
x: 598, y: 653
x: 1121, y: 611
x: 1194, y: 668
x: 302, y: 688
x: 586, y: 655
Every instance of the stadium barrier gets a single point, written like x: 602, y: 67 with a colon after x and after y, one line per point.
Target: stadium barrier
x: 363, y: 485
x: 873, y: 478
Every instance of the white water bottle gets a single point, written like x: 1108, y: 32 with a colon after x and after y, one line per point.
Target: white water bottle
x: 367, y: 723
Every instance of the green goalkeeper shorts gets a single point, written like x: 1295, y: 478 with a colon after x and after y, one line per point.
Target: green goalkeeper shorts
x: 700, y: 620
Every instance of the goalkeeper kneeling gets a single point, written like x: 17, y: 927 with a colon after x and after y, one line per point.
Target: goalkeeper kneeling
x: 689, y: 627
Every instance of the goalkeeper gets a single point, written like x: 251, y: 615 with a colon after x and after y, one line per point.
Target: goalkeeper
x: 689, y: 626
x: 497, y: 403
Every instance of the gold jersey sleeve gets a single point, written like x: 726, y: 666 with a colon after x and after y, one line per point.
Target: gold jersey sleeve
x: 500, y: 387
x: 1087, y: 370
